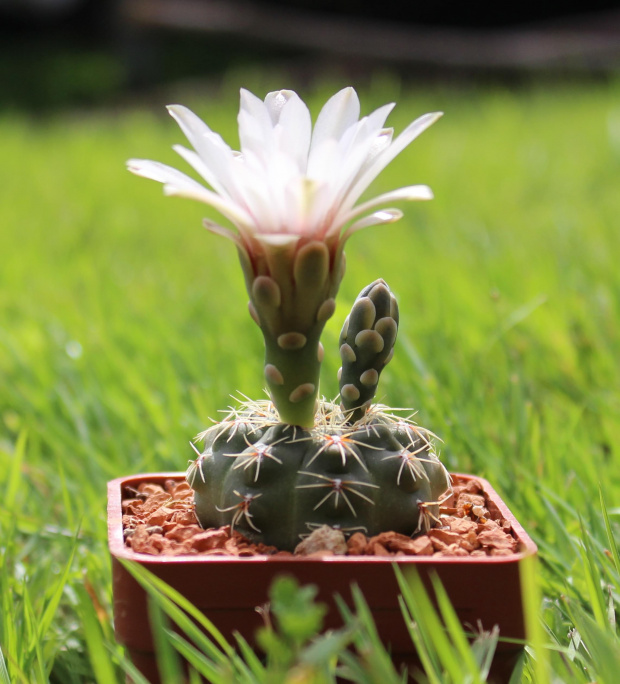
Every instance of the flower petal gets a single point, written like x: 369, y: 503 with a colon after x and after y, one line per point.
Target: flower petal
x: 178, y: 184
x: 194, y: 128
x: 384, y: 158
x: 214, y: 152
x: 278, y: 239
x: 215, y: 228
x: 294, y: 130
x: 255, y: 124
x: 162, y: 173
x: 378, y: 218
x: 275, y: 103
x: 198, y: 164
x: 409, y: 193
x: 356, y: 149
x: 232, y: 212
x: 340, y: 112
x: 287, y: 181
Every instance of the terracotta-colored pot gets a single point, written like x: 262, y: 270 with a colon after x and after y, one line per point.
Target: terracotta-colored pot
x: 483, y: 590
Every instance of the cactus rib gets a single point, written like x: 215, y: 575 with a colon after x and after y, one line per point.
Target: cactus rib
x: 273, y: 473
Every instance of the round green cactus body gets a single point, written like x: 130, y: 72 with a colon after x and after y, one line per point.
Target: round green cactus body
x: 276, y: 473
x: 275, y: 483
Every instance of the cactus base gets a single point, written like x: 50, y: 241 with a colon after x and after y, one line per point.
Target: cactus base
x: 276, y: 483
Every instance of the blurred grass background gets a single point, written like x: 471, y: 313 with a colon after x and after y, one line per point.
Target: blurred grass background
x: 123, y: 324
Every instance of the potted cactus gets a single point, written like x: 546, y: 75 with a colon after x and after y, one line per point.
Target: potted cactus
x: 281, y: 469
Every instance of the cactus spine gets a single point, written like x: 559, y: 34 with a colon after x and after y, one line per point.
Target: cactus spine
x: 357, y: 466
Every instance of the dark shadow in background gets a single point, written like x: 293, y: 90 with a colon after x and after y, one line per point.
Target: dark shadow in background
x: 60, y: 53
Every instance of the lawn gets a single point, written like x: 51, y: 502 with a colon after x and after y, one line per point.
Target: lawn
x: 124, y: 328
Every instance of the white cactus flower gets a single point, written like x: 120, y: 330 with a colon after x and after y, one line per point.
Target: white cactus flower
x: 290, y: 181
x: 292, y: 194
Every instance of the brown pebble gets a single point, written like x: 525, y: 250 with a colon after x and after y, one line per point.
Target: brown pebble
x: 132, y: 506
x: 474, y: 486
x: 150, y: 488
x: 452, y: 550
x: 139, y: 540
x: 446, y: 536
x: 182, y: 532
x: 422, y: 546
x: 376, y: 548
x: 463, y: 526
x: 160, y: 516
x: 160, y: 521
x: 209, y: 540
x: 357, y: 544
x: 473, y: 499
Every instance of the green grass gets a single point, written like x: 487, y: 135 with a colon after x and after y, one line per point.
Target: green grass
x: 123, y: 328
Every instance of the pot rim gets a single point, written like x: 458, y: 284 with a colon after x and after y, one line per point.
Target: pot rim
x: 118, y: 549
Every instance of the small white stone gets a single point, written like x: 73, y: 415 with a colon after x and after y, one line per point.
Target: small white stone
x: 324, y: 538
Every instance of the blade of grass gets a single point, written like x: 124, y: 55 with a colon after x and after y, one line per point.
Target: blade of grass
x: 425, y: 617
x: 68, y: 505
x: 458, y: 637
x: 184, y: 613
x: 128, y: 668
x: 257, y: 668
x: 602, y: 646
x: 4, y: 673
x: 93, y: 635
x: 593, y: 581
x: 56, y: 593
x: 179, y: 608
x: 323, y: 651
x: 14, y: 474
x: 35, y: 662
x: 611, y: 540
x: 428, y: 660
x: 199, y: 662
x: 371, y: 663
x: 533, y: 626
x: 168, y: 662
x: 483, y: 649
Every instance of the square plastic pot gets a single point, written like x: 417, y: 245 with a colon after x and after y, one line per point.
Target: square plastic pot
x: 484, y: 591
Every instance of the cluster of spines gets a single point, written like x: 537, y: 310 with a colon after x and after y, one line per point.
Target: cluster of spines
x: 332, y: 435
x: 299, y: 462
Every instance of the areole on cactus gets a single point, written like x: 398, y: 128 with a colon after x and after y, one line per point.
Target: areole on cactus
x: 276, y: 469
